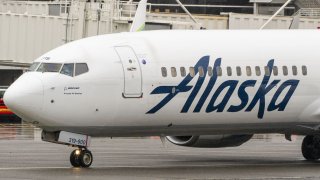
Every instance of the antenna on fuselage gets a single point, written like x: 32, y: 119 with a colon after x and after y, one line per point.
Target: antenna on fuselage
x: 139, y: 20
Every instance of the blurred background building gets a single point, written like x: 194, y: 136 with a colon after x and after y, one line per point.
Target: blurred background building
x: 31, y: 28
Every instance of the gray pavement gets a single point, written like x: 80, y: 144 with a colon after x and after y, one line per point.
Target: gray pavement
x: 24, y: 156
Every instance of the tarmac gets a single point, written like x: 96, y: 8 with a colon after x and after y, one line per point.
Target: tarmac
x: 24, y: 156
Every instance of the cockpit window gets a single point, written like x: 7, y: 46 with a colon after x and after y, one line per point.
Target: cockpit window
x: 49, y: 67
x: 67, y: 69
x: 81, y: 68
x: 33, y: 66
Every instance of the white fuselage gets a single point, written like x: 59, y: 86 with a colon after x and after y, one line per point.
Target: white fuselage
x: 121, y: 98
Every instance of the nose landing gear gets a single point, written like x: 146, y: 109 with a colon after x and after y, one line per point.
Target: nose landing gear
x: 311, y: 147
x: 81, y: 157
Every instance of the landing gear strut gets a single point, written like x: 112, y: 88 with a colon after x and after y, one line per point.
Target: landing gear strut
x: 81, y: 157
x: 311, y: 147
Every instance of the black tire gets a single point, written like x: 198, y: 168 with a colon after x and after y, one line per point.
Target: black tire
x: 86, y: 158
x: 74, y: 159
x: 310, y: 148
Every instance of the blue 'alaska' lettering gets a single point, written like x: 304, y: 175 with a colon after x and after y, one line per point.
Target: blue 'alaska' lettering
x: 243, y: 95
x: 182, y: 87
x: 292, y: 84
x: 279, y: 100
x: 231, y: 85
x: 204, y: 62
x: 209, y: 87
x: 263, y: 90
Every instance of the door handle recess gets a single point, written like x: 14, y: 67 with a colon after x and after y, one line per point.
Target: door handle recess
x: 131, y: 69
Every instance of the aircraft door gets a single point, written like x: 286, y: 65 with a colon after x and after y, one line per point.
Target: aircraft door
x: 132, y: 72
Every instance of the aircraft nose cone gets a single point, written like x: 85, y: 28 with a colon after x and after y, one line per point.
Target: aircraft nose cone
x: 25, y: 96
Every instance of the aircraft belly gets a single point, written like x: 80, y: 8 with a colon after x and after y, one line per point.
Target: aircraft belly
x: 141, y: 131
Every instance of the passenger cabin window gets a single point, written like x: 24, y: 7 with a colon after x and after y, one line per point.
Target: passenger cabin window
x: 238, y: 69
x: 192, y: 73
x: 183, y: 71
x: 229, y: 71
x: 258, y: 71
x: 164, y: 72
x: 266, y: 71
x: 201, y: 71
x: 49, y: 67
x: 81, y: 68
x: 294, y: 70
x: 248, y: 70
x: 173, y: 72
x: 67, y: 69
x: 304, y: 70
x: 210, y: 72
x: 33, y: 66
x: 275, y: 70
x: 219, y: 71
x: 285, y: 70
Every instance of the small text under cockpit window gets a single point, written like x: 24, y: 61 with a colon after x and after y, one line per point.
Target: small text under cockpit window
x: 33, y: 66
x: 81, y: 68
x: 49, y: 67
x: 67, y: 69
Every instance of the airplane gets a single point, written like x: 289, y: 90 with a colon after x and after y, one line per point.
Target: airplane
x: 201, y: 89
x: 67, y: 79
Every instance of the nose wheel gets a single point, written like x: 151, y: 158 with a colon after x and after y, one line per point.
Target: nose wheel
x: 81, y: 158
